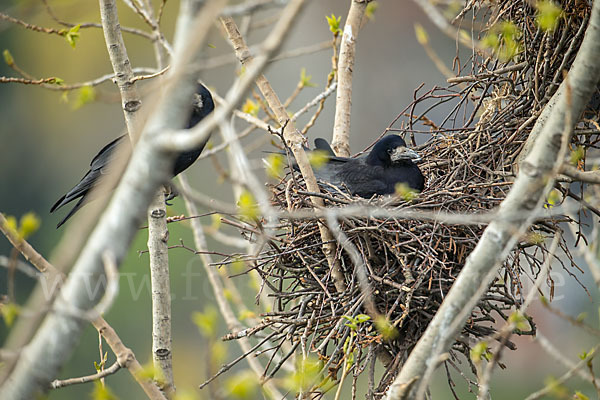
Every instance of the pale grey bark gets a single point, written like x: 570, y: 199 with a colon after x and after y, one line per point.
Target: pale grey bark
x: 130, y: 99
x: 345, y: 68
x: 158, y: 236
x: 535, y: 178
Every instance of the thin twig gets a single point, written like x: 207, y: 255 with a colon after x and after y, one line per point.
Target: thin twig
x: 56, y: 384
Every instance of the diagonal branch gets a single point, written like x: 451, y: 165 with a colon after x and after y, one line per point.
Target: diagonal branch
x: 293, y: 138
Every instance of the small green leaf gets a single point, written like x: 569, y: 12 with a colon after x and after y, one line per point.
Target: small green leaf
x: 318, y: 158
x: 102, y: 363
x: 238, y: 265
x: 305, y: 80
x: 503, y: 38
x: 577, y: 155
x: 251, y: 107
x: 334, y: 24
x: 244, y: 385
x: 218, y: 353
x: 351, y: 322
x: 147, y: 371
x: 580, y: 396
x: 519, y: 320
x: 581, y: 317
x: 385, y: 328
x: 370, y: 10
x: 491, y: 41
x: 405, y: 192
x: 246, y: 314
x: 216, y: 221
x: 55, y: 81
x: 11, y: 224
x: 556, y: 388
x: 102, y: 392
x: 479, y: 352
x: 212, y: 46
x: 583, y: 355
x: 207, y: 321
x: 422, y: 36
x: 9, y: 312
x: 548, y: 15
x: 305, y: 376
x: 30, y: 223
x: 510, y: 33
x: 360, y: 318
x: 274, y: 165
x: 85, y: 95
x: 8, y: 58
x: 72, y: 35
x: 247, y: 205
x: 349, y: 359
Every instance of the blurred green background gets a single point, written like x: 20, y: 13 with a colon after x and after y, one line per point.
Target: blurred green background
x: 46, y: 145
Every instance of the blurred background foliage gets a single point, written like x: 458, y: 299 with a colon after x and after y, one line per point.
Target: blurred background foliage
x: 46, y: 144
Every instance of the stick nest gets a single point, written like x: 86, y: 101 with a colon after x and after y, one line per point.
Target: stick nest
x: 471, y: 158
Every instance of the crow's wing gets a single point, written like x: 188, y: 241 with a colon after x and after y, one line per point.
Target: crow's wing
x: 363, y: 179
x: 98, y: 167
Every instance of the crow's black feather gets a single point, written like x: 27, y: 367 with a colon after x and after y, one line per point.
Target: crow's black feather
x: 202, y: 105
x: 388, y: 164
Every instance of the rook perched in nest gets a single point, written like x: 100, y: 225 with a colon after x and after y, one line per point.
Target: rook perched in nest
x: 388, y: 164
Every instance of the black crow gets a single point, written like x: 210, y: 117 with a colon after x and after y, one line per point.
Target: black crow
x: 202, y: 105
x: 388, y: 163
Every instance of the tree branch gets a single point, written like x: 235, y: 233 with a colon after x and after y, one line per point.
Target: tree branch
x: 111, y: 27
x: 345, y: 68
x: 293, y: 138
x: 578, y: 175
x: 56, y: 384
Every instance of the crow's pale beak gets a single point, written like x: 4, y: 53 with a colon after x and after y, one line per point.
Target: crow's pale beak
x: 404, y: 154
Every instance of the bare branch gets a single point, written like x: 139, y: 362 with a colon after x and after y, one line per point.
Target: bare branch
x: 35, y: 28
x: 578, y: 175
x: 345, y: 67
x: 293, y: 138
x: 56, y: 384
x: 130, y: 99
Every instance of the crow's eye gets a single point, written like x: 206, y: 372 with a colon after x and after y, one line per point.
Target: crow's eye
x: 390, y: 151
